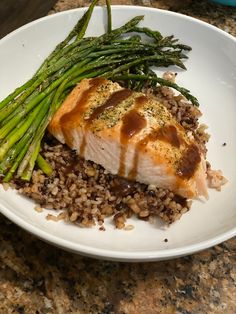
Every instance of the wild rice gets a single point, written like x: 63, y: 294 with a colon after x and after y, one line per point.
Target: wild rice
x: 88, y: 194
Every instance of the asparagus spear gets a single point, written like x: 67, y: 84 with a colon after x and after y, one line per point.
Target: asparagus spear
x: 78, y: 31
x: 27, y: 138
x: 44, y: 165
x: 26, y: 175
x: 17, y: 92
x: 109, y: 17
x: 17, y: 133
x: 16, y: 163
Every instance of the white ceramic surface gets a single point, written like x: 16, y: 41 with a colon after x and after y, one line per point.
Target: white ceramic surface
x: 211, y: 76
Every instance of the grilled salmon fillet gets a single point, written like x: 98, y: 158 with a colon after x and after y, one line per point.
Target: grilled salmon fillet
x: 131, y: 135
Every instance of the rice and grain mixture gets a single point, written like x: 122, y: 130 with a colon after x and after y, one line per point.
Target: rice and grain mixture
x: 88, y: 194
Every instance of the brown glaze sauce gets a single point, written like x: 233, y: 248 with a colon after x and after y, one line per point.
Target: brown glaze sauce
x: 181, y: 200
x: 189, y: 162
x: 122, y: 187
x: 166, y: 134
x: 133, y: 171
x: 132, y: 123
x: 143, y: 142
x: 169, y: 134
x: 115, y: 99
x: 83, y: 146
x: 78, y: 110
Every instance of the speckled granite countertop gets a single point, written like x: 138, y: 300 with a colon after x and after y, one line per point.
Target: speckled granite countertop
x: 38, y: 278
x: 218, y: 15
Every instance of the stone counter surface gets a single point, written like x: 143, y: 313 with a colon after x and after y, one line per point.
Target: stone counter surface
x: 38, y: 278
x: 223, y: 17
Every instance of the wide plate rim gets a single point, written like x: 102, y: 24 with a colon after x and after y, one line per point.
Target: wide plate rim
x: 103, y: 253
x: 90, y: 251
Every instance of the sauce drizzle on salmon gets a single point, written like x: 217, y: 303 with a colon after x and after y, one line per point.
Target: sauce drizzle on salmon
x: 169, y: 134
x: 132, y: 123
x: 79, y: 110
x: 114, y: 100
x: 189, y: 162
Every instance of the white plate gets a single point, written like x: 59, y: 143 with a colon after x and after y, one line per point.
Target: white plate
x: 211, y: 76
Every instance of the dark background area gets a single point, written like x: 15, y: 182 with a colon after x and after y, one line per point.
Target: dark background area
x: 15, y: 13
